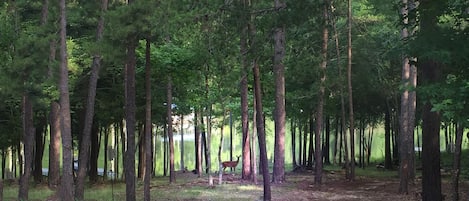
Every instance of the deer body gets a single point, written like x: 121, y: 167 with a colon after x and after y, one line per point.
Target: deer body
x: 232, y: 164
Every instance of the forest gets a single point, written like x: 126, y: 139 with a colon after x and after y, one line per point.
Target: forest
x: 279, y: 99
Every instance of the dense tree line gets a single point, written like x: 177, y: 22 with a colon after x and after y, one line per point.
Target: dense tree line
x: 335, y: 70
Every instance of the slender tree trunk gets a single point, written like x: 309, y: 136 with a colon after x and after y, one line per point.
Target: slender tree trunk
x: 182, y: 143
x: 106, y: 151
x: 169, y: 116
x: 124, y: 146
x: 197, y: 143
x: 28, y: 143
x: 204, y: 146
x: 253, y: 143
x: 39, y: 150
x: 66, y: 191
x: 54, y: 145
x: 95, y: 144
x: 85, y: 146
x: 165, y: 151
x: 220, y: 148
x: 305, y: 139
x: 148, y: 126
x: 456, y: 163
x: 261, y: 133
x: 141, y: 151
x: 387, y: 138
x: 320, y: 106
x: 231, y: 138
x: 326, y: 147
x: 349, y: 75
x: 311, y: 142
x: 300, y: 143
x: 343, y: 132
x: 130, y: 120
x: 278, y: 175
x: 293, y: 142
x: 246, y: 169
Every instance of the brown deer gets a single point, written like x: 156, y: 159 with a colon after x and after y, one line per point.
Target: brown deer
x: 232, y: 164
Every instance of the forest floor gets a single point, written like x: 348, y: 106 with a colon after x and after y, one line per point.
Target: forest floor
x: 370, y: 184
x: 300, y: 186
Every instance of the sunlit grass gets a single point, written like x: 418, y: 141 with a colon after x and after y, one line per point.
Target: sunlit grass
x: 10, y: 192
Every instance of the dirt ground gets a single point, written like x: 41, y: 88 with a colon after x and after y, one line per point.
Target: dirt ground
x: 336, y: 188
x: 301, y: 187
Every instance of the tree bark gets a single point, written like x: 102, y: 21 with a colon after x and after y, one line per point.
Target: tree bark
x: 327, y: 140
x: 183, y: 168
x: 28, y: 143
x: 93, y: 157
x: 148, y: 126
x: 387, y: 138
x: 311, y: 142
x: 350, y: 95
x: 66, y: 190
x: 254, y: 163
x: 39, y: 150
x: 431, y: 178
x: 456, y: 163
x: 54, y: 145
x: 90, y: 102
x: 130, y: 119
x: 261, y: 133
x: 246, y: 169
x: 293, y: 142
x: 320, y: 106
x: 278, y: 175
x: 169, y: 116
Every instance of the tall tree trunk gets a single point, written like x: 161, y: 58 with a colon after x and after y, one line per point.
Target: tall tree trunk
x: 293, y: 142
x: 130, y: 119
x: 165, y: 151
x: 278, y: 175
x: 343, y: 132
x: 387, y: 138
x: 261, y: 133
x: 204, y: 146
x: 39, y: 151
x: 106, y: 151
x: 141, y: 152
x: 66, y: 191
x: 54, y: 145
x: 320, y: 106
x: 456, y: 163
x: 326, y: 147
x: 28, y: 144
x: 253, y: 143
x: 196, y: 142
x: 305, y: 138
x: 407, y: 117
x: 199, y: 141
x: 311, y: 142
x: 182, y: 143
x: 93, y: 158
x: 350, y: 95
x: 300, y: 143
x: 220, y: 148
x: 246, y: 169
x: 231, y: 138
x: 148, y: 126
x: 123, y: 145
x: 90, y: 102
x: 169, y: 116
x: 431, y: 178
